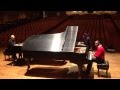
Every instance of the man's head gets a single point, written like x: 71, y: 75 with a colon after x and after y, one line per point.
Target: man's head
x: 12, y: 37
x: 85, y: 35
x: 97, y: 43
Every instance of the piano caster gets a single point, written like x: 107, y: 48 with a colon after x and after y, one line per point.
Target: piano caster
x: 28, y: 68
x: 28, y: 63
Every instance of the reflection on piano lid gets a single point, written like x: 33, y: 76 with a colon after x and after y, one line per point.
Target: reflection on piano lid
x: 89, y: 56
x: 80, y: 49
x: 83, y: 49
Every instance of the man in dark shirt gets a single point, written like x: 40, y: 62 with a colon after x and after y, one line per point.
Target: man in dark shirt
x: 86, y: 40
x: 11, y: 43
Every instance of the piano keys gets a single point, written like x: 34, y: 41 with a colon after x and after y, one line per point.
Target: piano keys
x: 18, y: 45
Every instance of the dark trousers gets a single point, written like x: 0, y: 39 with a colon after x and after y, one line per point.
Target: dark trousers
x: 89, y: 66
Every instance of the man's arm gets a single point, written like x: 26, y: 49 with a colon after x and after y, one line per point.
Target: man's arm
x: 98, y: 53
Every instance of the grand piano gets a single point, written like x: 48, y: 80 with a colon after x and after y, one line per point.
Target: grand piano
x: 60, y: 46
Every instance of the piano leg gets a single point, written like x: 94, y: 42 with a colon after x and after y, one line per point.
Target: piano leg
x: 80, y: 70
x: 82, y: 73
x: 28, y: 63
x: 88, y: 73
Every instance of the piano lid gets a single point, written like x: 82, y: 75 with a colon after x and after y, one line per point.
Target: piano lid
x: 57, y: 42
x: 70, y: 39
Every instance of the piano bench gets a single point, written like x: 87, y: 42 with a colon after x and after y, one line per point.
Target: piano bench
x: 6, y: 53
x: 103, y: 66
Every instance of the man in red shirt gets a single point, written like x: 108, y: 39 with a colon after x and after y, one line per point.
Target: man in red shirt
x: 99, y: 54
x: 98, y: 57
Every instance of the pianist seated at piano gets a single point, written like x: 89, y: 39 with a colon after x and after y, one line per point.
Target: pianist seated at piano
x: 13, y: 48
x: 86, y: 41
x: 10, y: 47
x: 98, y: 56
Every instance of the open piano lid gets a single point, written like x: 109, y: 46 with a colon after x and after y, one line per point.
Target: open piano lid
x: 57, y: 42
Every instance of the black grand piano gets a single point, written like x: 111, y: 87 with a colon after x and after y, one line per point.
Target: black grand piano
x: 58, y: 46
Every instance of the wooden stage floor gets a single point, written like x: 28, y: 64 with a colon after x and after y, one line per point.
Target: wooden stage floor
x: 58, y: 70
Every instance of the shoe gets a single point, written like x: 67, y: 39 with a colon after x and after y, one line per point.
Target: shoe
x: 13, y: 63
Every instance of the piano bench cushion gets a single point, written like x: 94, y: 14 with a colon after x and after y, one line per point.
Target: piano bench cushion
x: 104, y: 65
